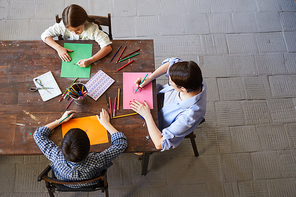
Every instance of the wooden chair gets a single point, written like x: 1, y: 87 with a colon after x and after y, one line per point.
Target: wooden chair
x: 53, y: 184
x: 105, y: 21
x: 192, y: 136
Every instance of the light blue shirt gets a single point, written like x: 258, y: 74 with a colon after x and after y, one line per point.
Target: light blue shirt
x: 179, y: 118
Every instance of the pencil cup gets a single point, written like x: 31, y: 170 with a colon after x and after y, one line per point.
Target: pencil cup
x: 78, y: 93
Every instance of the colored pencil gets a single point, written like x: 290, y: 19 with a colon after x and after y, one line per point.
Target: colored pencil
x: 114, y: 107
x: 67, y: 89
x: 118, y: 98
x: 142, y: 82
x: 107, y: 101
x: 110, y: 107
x: 115, y: 53
x: 129, y: 57
x: 70, y: 103
x: 130, y: 53
x: 125, y: 115
x: 121, y: 54
x: 63, y: 95
x: 125, y: 65
x: 66, y: 117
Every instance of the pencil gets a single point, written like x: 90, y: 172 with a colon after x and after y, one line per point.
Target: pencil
x: 114, y: 107
x: 129, y: 57
x: 121, y: 54
x: 125, y: 65
x: 115, y: 53
x: 66, y: 118
x: 142, y: 82
x: 110, y: 107
x: 63, y: 95
x: 124, y: 115
x: 107, y: 101
x: 130, y: 53
x: 118, y: 98
x: 70, y: 103
x: 67, y: 89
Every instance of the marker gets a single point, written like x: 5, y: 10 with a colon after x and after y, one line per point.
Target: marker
x: 142, y: 82
x: 115, y: 53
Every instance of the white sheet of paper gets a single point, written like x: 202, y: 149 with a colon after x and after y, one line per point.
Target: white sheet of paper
x: 47, y: 80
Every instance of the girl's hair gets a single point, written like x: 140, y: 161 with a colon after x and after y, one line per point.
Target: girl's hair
x: 75, y: 145
x: 186, y: 74
x: 74, y: 16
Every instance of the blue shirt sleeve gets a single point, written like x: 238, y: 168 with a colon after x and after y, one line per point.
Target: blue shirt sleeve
x: 172, y: 61
x: 182, y: 126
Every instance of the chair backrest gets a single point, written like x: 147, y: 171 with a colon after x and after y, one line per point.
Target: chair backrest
x: 104, y: 20
x: 53, y: 183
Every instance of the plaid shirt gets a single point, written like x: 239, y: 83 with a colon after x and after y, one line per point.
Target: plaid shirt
x: 89, y: 168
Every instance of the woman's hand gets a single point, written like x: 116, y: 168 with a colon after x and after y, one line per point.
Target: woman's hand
x: 64, y: 117
x: 140, y: 108
x: 145, y: 82
x: 63, y: 53
x: 104, y: 118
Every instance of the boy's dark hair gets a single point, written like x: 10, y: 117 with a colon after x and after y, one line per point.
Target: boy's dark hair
x: 186, y: 74
x: 74, y: 16
x: 75, y: 145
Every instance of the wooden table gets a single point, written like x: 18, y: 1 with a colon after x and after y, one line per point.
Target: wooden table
x: 22, y: 111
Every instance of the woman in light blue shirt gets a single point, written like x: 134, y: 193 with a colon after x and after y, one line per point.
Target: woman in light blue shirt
x: 184, y: 103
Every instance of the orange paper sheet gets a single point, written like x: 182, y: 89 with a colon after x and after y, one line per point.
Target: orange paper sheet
x: 96, y: 133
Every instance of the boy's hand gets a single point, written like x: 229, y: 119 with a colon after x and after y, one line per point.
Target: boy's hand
x: 104, y: 118
x: 63, y: 53
x: 71, y: 113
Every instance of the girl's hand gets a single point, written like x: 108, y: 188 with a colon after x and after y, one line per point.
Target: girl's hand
x: 84, y: 62
x: 63, y: 53
x: 72, y: 112
x: 140, y: 108
x: 104, y: 118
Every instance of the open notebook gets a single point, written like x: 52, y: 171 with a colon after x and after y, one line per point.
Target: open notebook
x: 98, y: 84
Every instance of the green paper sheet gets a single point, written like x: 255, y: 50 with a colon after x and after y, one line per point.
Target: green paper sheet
x: 80, y: 51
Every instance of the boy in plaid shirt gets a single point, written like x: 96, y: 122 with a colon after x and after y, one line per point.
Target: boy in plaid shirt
x: 73, y: 162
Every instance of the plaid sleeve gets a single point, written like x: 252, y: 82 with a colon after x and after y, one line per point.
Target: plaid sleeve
x: 48, y: 147
x: 119, y: 144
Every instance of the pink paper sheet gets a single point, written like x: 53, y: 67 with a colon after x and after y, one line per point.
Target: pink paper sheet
x: 129, y: 88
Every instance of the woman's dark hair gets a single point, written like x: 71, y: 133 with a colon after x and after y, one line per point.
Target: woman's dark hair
x: 74, y: 16
x: 75, y: 145
x: 186, y: 74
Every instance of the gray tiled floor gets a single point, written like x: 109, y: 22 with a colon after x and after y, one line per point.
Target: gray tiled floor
x: 247, y: 52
